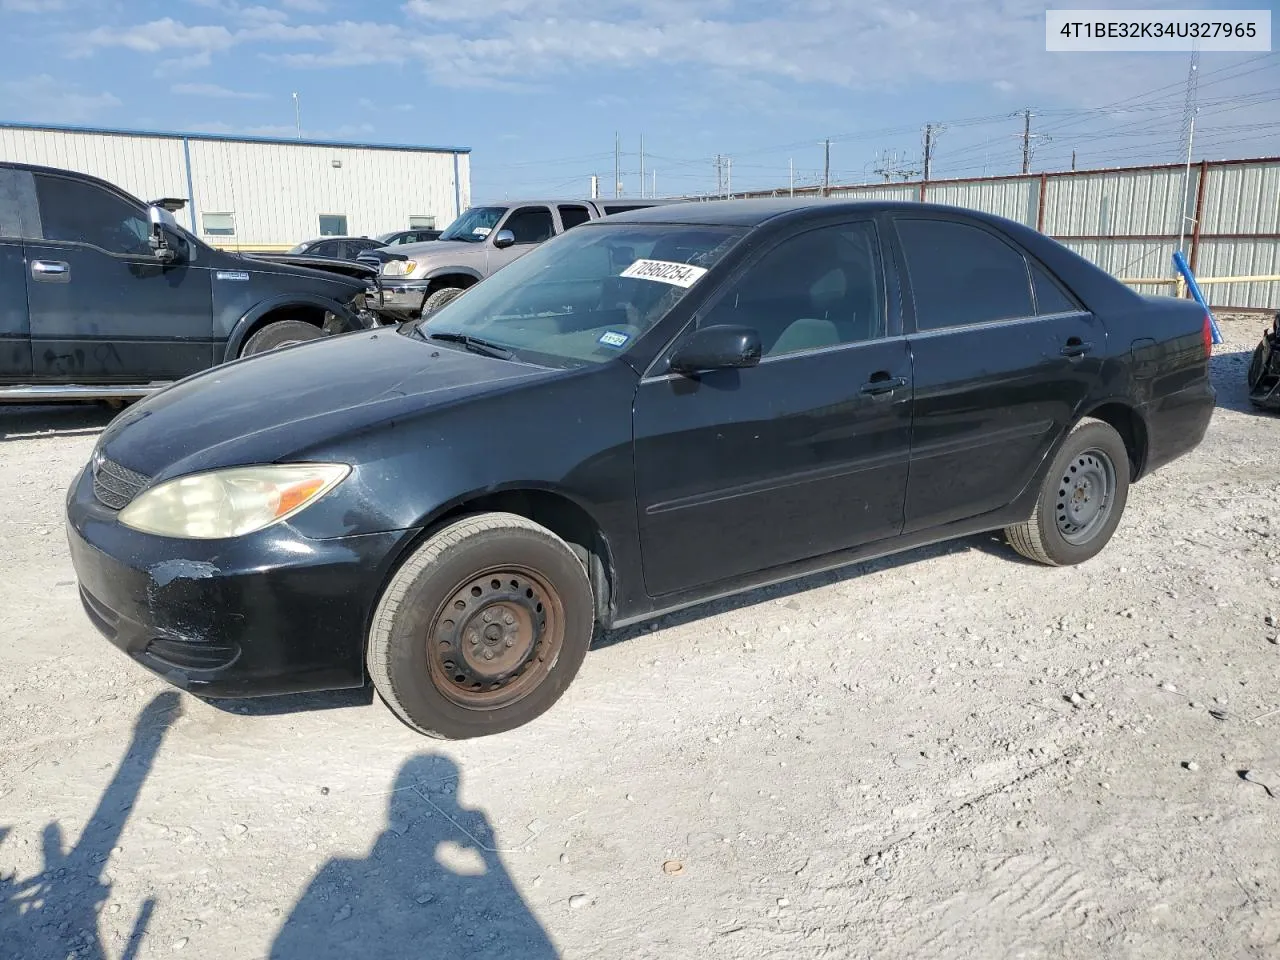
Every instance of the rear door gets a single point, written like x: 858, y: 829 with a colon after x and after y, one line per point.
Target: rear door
x: 17, y: 210
x: 103, y: 309
x: 531, y: 226
x: 1003, y: 358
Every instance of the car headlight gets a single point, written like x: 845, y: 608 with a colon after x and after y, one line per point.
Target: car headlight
x: 399, y: 268
x: 232, y: 502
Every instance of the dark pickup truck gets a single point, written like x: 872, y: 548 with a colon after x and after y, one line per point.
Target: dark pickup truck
x: 104, y: 296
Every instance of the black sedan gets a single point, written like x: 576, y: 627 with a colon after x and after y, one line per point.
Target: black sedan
x: 646, y: 412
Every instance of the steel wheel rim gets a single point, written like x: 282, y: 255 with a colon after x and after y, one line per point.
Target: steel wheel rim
x: 495, y: 638
x: 1086, y: 496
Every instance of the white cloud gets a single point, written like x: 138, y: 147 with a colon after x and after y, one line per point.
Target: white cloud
x: 44, y: 99
x: 166, y: 34
x: 32, y: 6
x: 306, y: 6
x: 214, y: 91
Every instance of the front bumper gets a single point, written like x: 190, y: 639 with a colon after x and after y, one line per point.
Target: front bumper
x: 270, y: 613
x: 402, y: 298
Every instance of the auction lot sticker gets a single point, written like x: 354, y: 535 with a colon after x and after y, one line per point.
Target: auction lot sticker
x: 664, y: 271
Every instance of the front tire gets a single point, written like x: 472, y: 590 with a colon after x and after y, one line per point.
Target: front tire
x: 1081, y: 501
x: 282, y: 333
x: 482, y: 629
x: 439, y: 298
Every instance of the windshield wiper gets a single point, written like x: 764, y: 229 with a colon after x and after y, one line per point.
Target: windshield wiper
x: 475, y: 345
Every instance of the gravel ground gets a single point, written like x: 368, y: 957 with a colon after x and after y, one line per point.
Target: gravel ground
x: 946, y: 754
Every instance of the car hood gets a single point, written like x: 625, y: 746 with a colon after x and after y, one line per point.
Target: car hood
x: 434, y: 248
x: 347, y: 272
x: 276, y: 406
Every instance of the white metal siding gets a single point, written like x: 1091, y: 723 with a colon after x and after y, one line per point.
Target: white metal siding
x: 1120, y: 203
x: 147, y: 168
x: 1242, y: 199
x: 276, y: 191
x: 1014, y: 199
x: 886, y: 192
x: 1239, y: 258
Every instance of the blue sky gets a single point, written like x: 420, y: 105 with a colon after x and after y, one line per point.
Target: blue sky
x: 538, y: 88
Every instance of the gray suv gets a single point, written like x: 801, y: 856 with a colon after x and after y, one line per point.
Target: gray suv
x: 419, y: 278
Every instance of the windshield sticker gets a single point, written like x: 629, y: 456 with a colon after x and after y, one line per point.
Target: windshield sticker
x: 482, y: 231
x: 664, y: 271
x: 232, y: 275
x: 612, y: 338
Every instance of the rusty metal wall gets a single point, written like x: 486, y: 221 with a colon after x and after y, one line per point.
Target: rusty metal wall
x: 1128, y: 220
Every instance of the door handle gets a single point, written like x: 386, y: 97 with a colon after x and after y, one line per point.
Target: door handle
x: 57, y: 271
x: 1075, y: 347
x: 881, y: 383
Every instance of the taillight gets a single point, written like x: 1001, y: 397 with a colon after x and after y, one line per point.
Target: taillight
x: 1208, y: 335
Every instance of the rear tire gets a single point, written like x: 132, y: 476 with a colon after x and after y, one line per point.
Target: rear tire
x: 282, y: 333
x: 439, y: 298
x: 482, y: 629
x: 1081, y: 501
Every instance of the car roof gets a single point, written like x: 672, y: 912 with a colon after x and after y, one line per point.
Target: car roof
x: 610, y: 201
x: 756, y: 212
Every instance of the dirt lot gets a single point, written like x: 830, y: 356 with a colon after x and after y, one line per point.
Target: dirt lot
x: 883, y: 763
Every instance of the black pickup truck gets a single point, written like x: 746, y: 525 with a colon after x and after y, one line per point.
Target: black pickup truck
x: 105, y: 296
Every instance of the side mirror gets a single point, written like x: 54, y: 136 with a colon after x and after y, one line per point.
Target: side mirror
x: 167, y: 242
x: 720, y: 347
x: 504, y: 239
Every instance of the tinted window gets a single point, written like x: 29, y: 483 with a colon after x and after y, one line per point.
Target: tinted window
x: 573, y: 216
x: 1050, y: 298
x: 330, y: 248
x: 531, y: 225
x: 623, y: 207
x: 85, y: 213
x: 961, y: 275
x: 819, y: 289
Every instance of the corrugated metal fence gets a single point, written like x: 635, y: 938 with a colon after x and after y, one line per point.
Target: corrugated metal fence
x: 1127, y: 220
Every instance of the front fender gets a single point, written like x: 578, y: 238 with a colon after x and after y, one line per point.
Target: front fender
x: 471, y: 272
x: 346, y: 319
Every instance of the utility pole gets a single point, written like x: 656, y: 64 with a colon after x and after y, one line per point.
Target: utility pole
x: 595, y: 187
x: 617, y: 166
x: 1186, y: 183
x: 729, y: 177
x: 297, y: 114
x: 1189, y: 111
x: 928, y: 150
x: 1026, y: 141
x: 654, y: 192
x: 642, y: 181
x: 1073, y: 161
x: 792, y: 166
x: 719, y: 179
x: 826, y: 167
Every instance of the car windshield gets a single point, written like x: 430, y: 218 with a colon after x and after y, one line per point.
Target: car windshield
x: 586, y: 296
x: 474, y: 225
x: 300, y: 247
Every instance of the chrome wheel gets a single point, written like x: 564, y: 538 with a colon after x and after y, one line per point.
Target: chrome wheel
x: 1086, y: 495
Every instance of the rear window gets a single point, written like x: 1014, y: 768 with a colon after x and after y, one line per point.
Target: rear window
x: 962, y: 275
x: 1050, y: 298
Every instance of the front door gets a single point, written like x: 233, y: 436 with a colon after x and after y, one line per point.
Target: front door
x: 17, y: 209
x: 1003, y: 355
x: 738, y: 471
x: 103, y: 309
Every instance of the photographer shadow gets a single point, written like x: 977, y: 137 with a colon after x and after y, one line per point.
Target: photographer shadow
x: 433, y: 887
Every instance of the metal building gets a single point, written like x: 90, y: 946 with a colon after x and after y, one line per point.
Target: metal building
x: 261, y: 192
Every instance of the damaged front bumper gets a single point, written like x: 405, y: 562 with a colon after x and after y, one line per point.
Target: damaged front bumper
x: 269, y: 613
x: 1264, y: 370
